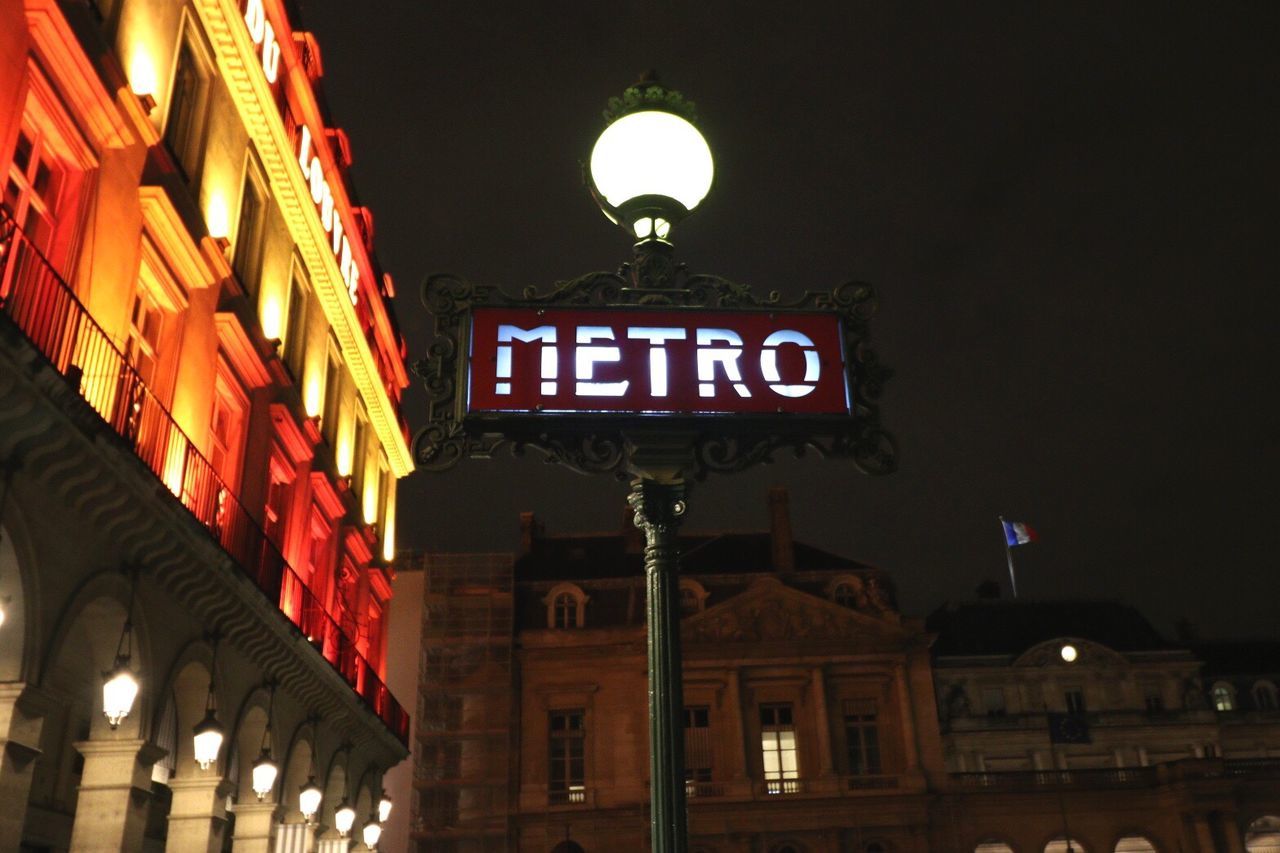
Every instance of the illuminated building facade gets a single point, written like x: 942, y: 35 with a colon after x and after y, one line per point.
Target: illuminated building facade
x: 818, y: 718
x: 200, y: 434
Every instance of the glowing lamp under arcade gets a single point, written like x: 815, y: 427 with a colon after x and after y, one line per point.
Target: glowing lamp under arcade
x: 119, y: 689
x: 343, y: 817
x: 372, y: 832
x: 384, y: 808
x: 309, y: 798
x: 264, y: 775
x: 208, y: 740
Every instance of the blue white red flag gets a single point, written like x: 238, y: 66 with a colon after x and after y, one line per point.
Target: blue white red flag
x: 1017, y: 533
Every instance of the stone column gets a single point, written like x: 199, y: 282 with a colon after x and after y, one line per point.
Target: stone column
x: 333, y: 845
x: 295, y: 837
x: 1203, y: 834
x: 198, y: 815
x: 115, y: 789
x: 254, y: 827
x: 737, y: 736
x: 907, y: 713
x: 21, y: 722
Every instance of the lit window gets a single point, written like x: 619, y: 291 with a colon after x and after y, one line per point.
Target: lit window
x: 862, y: 737
x: 1224, y: 697
x: 143, y: 345
x: 226, y: 428
x: 778, y: 750
x: 697, y: 747
x: 184, y: 130
x: 250, y: 233
x: 1264, y: 696
x: 332, y: 396
x: 567, y: 757
x: 295, y: 333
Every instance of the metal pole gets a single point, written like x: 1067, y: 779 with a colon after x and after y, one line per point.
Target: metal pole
x: 659, y: 508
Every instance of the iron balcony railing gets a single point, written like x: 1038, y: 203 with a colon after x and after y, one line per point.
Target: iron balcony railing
x: 36, y: 299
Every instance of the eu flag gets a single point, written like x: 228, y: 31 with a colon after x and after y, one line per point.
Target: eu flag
x: 1068, y: 728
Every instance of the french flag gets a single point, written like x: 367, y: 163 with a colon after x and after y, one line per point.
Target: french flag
x: 1017, y: 533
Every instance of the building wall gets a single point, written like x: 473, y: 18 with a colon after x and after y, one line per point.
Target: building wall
x: 200, y: 430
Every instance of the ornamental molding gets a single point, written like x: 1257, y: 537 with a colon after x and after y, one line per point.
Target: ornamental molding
x: 1089, y: 655
x: 770, y: 611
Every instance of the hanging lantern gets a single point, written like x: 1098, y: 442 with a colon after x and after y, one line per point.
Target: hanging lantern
x: 119, y: 689
x: 372, y: 832
x: 344, y: 817
x: 309, y: 799
x: 384, y: 808
x: 208, y: 740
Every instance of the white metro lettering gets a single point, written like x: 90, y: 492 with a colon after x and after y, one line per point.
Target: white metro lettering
x: 727, y: 356
x: 502, y: 370
x: 769, y: 363
x: 658, y: 338
x: 588, y: 357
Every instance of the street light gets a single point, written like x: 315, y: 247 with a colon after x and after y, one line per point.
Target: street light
x: 1068, y: 653
x: 372, y: 832
x: 208, y: 732
x: 265, y: 769
x: 384, y: 807
x: 309, y: 799
x: 119, y: 684
x: 650, y: 167
x: 343, y: 817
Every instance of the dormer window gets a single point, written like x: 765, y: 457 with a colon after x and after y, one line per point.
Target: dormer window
x: 847, y: 591
x: 1264, y: 696
x: 566, y: 605
x: 692, y: 597
x: 1224, y: 697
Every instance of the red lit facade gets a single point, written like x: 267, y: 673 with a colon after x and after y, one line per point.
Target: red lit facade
x: 200, y: 381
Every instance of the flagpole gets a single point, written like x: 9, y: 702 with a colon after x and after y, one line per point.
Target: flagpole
x: 1008, y: 553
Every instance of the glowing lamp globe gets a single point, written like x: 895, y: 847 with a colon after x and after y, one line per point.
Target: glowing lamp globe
x: 384, y: 808
x: 309, y: 798
x: 343, y: 818
x: 1069, y: 653
x: 651, y: 166
x: 264, y: 775
x: 208, y: 740
x: 372, y: 832
x: 119, y: 689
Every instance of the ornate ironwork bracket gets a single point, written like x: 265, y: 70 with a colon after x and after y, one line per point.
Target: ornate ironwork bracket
x: 610, y: 444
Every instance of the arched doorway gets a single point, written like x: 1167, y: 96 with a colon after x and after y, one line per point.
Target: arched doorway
x: 1263, y: 835
x: 1061, y: 844
x: 1134, y: 844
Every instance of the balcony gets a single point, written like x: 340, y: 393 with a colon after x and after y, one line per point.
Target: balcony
x: 43, y: 307
x: 1023, y: 780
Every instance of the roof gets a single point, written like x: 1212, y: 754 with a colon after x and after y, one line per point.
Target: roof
x: 1240, y: 657
x: 1012, y: 627
x: 591, y: 556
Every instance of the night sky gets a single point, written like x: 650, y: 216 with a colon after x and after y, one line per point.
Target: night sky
x: 1069, y: 211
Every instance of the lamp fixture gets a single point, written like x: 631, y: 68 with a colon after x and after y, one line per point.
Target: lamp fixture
x: 384, y: 807
x: 265, y: 768
x: 372, y: 832
x: 310, y: 795
x: 119, y: 684
x: 1069, y: 653
x: 343, y: 817
x: 208, y: 733
x: 650, y: 166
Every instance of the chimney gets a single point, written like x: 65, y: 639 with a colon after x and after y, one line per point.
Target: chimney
x: 529, y: 530
x: 783, y: 547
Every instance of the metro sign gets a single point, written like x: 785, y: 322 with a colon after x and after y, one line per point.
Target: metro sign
x: 637, y: 361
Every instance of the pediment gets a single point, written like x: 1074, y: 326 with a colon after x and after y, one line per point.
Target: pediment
x: 769, y: 610
x: 1088, y: 654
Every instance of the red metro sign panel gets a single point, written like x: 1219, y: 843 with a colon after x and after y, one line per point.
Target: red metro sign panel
x: 638, y: 361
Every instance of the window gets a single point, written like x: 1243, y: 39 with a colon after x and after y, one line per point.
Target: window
x: 845, y: 595
x: 1264, y: 696
x: 697, y: 747
x: 184, y: 131
x: 226, y: 428
x: 358, y: 455
x: 250, y: 233
x: 778, y: 750
x: 1074, y: 697
x: 567, y: 757
x: 862, y: 737
x: 332, y: 396
x: 1153, y: 700
x: 691, y: 597
x: 993, y: 701
x: 1224, y: 697
x: 143, y: 345
x: 566, y: 611
x: 295, y: 332
x: 31, y: 193
x: 277, y: 498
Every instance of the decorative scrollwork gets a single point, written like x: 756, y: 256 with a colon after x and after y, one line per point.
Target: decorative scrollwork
x: 589, y: 446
